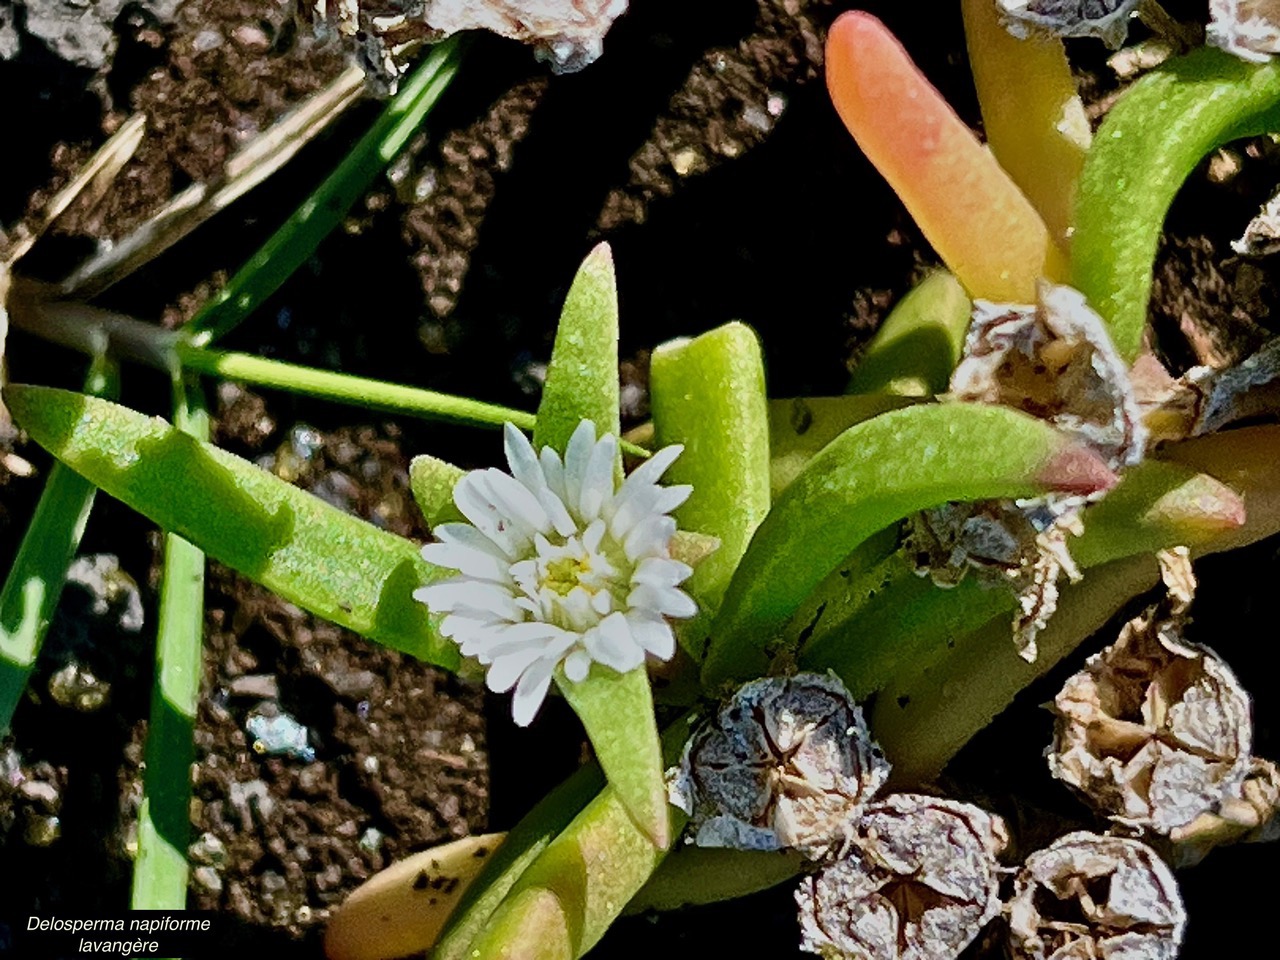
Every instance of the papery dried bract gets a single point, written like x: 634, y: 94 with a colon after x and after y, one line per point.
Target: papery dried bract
x: 568, y: 33
x: 1154, y: 731
x: 1087, y: 896
x: 1056, y: 362
x: 1250, y: 29
x: 1252, y: 816
x: 787, y: 762
x: 1106, y: 19
x: 921, y: 883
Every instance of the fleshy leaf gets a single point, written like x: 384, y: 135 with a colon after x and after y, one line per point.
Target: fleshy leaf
x: 799, y: 427
x: 919, y: 343
x: 1032, y: 115
x: 708, y: 394
x: 873, y: 475
x: 582, y: 377
x: 617, y: 711
x: 1148, y: 144
x: 330, y: 563
x: 582, y: 384
x: 432, y: 482
x: 892, y: 618
x: 985, y: 230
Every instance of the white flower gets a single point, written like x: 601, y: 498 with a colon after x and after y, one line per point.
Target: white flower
x: 560, y: 565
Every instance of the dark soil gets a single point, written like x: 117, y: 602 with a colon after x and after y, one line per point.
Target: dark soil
x: 702, y: 146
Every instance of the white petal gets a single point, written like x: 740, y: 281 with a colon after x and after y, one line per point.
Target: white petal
x: 650, y: 537
x: 602, y: 602
x: 522, y: 459
x: 652, y: 469
x: 456, y: 593
x: 465, y: 535
x: 669, y: 601
x: 531, y: 691
x: 564, y: 524
x: 634, y: 505
x: 577, y: 665
x: 593, y: 536
x: 506, y: 669
x: 518, y: 506
x: 612, y: 644
x: 661, y: 572
x: 597, y: 478
x: 472, y: 496
x: 576, y: 457
x: 652, y: 633
x: 546, y: 637
x: 552, y: 471
x: 468, y: 561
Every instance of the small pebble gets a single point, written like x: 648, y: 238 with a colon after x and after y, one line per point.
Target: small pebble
x: 371, y: 840
x: 207, y: 879
x: 76, y: 687
x: 263, y: 686
x: 45, y: 794
x: 279, y: 735
x: 208, y: 849
x: 41, y: 831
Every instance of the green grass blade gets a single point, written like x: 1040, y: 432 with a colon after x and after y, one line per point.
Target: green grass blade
x: 346, y: 388
x: 1148, y: 144
x: 291, y: 245
x: 919, y: 343
x: 164, y: 821
x: 873, y: 475
x: 330, y: 563
x: 35, y: 581
x: 708, y: 394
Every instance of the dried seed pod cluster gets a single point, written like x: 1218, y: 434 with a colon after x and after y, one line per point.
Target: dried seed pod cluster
x: 1088, y: 896
x: 1106, y: 19
x: 786, y: 763
x: 1054, y: 361
x: 1156, y: 734
x: 921, y: 883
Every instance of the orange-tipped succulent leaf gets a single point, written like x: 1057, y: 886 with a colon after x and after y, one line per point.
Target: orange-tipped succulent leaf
x: 976, y: 218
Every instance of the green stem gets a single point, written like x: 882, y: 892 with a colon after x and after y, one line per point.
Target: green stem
x: 164, y: 824
x: 39, y: 572
x: 345, y: 388
x: 291, y: 245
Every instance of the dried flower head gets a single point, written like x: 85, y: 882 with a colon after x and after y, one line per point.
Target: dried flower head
x: 921, y: 883
x: 787, y: 762
x: 1054, y: 361
x: 1088, y: 896
x: 560, y: 566
x: 1154, y: 731
x: 1253, y: 816
x: 1106, y: 19
x: 1248, y: 28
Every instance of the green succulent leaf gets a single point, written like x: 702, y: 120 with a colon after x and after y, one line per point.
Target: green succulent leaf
x: 330, y: 563
x: 582, y: 384
x: 1148, y: 144
x: 432, y: 482
x: 708, y: 394
x: 919, y: 343
x: 873, y: 475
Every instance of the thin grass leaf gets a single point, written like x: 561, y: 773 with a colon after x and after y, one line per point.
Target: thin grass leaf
x: 919, y: 343
x: 345, y: 388
x: 582, y: 384
x: 1148, y: 144
x: 708, y: 394
x: 39, y: 572
x: 164, y: 820
x: 873, y: 475
x: 311, y: 554
x: 291, y: 245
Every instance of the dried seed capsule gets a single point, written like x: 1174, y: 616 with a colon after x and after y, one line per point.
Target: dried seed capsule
x: 787, y: 762
x: 1251, y: 817
x: 1248, y: 28
x: 1089, y: 896
x: 921, y: 883
x: 1056, y: 362
x: 1154, y: 731
x: 1106, y: 19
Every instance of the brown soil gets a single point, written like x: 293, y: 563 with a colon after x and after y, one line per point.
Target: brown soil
x: 703, y: 148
